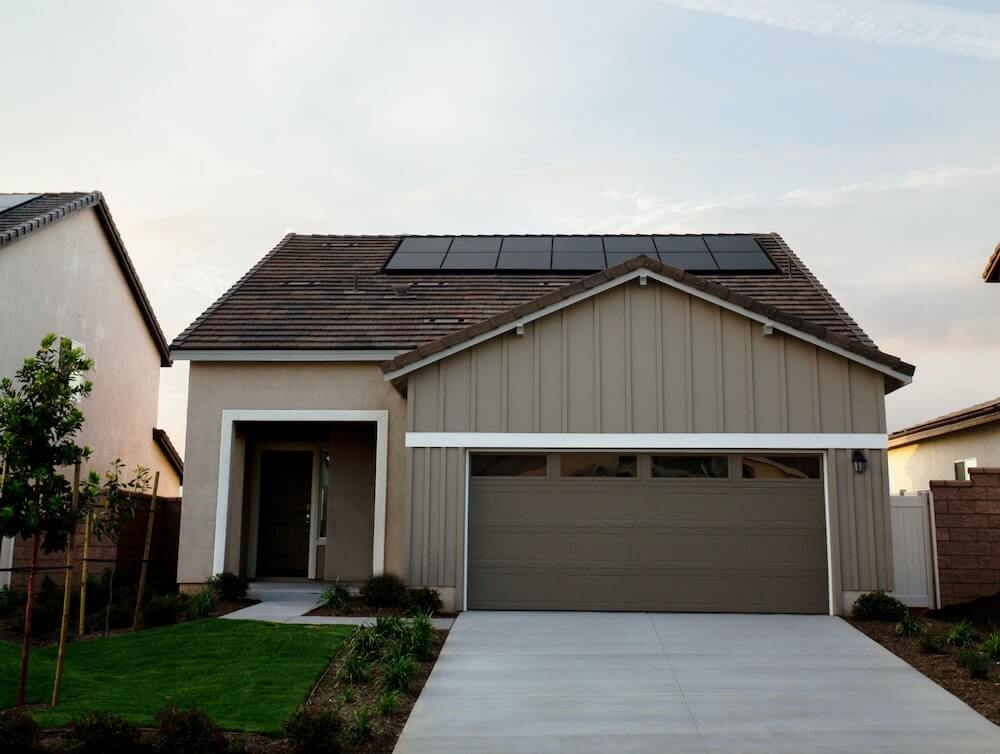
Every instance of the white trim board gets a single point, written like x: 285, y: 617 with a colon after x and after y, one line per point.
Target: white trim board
x: 229, y: 418
x: 640, y: 441
x: 193, y: 354
x: 644, y: 273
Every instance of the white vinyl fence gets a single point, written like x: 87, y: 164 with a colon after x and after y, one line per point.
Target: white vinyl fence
x: 914, y: 554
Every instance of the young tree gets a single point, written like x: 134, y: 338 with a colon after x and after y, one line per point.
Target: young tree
x: 39, y: 421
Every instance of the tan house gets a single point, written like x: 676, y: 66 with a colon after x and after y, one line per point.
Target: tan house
x: 64, y: 269
x: 541, y: 422
x: 945, y: 448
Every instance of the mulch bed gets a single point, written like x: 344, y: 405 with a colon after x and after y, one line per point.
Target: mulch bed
x: 363, y: 611
x: 944, y: 668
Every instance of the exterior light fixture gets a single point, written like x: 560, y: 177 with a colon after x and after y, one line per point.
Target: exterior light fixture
x: 859, y: 461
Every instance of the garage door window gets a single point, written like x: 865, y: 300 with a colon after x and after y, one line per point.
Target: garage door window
x: 690, y: 467
x: 509, y: 465
x: 781, y: 467
x: 598, y: 465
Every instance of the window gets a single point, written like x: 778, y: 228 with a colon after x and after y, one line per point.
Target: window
x: 781, y: 467
x: 691, y: 467
x: 489, y: 464
x: 962, y: 468
x: 324, y: 494
x: 598, y: 464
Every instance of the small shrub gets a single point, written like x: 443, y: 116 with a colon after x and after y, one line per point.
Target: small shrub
x: 11, y: 601
x: 909, y: 625
x: 103, y: 733
x: 365, y: 641
x: 878, y: 606
x: 201, y: 603
x: 313, y: 730
x: 397, y: 673
x: 992, y: 646
x: 960, y: 635
x: 347, y: 697
x: 384, y: 591
x: 418, y: 638
x: 355, y: 669
x: 976, y: 663
x: 188, y: 730
x: 389, y: 628
x: 422, y: 600
x: 930, y: 644
x: 386, y: 703
x: 336, y: 597
x: 164, y: 610
x: 18, y: 732
x: 229, y: 587
x: 360, y: 728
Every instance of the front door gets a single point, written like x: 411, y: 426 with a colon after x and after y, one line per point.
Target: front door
x: 285, y: 505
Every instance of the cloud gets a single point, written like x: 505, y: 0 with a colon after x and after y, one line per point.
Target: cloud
x: 890, y: 22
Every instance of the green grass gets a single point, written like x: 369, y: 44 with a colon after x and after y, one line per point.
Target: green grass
x: 246, y: 675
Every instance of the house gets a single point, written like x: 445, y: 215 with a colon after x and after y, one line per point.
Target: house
x: 945, y: 448
x: 992, y: 272
x: 676, y: 422
x: 64, y: 269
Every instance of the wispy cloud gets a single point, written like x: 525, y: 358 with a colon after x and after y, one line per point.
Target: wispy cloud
x: 892, y: 22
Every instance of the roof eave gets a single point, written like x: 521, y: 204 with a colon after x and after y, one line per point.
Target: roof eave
x: 992, y: 272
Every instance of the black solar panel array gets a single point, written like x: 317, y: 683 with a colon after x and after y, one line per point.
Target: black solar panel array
x: 701, y: 254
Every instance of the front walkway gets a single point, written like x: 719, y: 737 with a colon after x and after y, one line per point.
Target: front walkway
x: 289, y: 601
x: 679, y: 683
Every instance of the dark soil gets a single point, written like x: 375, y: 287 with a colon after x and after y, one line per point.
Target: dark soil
x: 358, y: 608
x: 944, y: 668
x: 983, y: 613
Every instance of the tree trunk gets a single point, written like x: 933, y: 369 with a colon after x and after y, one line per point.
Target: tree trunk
x: 28, y: 610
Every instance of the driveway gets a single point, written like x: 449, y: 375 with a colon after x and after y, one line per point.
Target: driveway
x: 634, y: 682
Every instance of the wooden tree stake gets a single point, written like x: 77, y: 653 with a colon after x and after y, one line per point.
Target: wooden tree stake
x: 67, y: 591
x: 84, y: 571
x: 145, y: 553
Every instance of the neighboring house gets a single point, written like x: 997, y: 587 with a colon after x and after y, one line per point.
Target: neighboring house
x: 537, y: 422
x: 992, y: 272
x: 945, y: 448
x: 64, y: 269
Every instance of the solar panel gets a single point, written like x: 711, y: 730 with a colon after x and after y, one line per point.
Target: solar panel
x: 732, y: 243
x: 578, y: 260
x: 671, y: 244
x: 527, y: 243
x: 470, y: 261
x: 419, y: 260
x: 617, y: 257
x: 577, y: 243
x: 9, y: 201
x: 524, y: 260
x: 418, y: 245
x: 634, y: 245
x: 475, y: 244
x: 743, y: 261
x: 691, y: 261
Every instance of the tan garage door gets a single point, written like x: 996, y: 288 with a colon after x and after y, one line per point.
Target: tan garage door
x: 657, y: 532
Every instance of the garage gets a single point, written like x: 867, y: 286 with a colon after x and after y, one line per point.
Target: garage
x: 677, y: 531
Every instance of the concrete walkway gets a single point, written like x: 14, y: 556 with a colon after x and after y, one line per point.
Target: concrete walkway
x: 288, y: 602
x: 635, y: 682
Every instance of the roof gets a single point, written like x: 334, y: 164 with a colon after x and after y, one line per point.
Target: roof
x: 697, y: 284
x: 992, y: 272
x: 966, y: 418
x: 162, y: 439
x: 328, y: 293
x: 47, y: 209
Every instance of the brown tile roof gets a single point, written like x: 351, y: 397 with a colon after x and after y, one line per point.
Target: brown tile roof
x: 992, y: 272
x: 328, y: 292
x: 980, y: 413
x: 48, y: 209
x: 162, y: 439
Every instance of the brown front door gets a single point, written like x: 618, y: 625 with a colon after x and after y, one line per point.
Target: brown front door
x: 285, y: 502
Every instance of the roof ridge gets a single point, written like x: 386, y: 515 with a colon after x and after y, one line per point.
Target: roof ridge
x: 949, y: 418
x: 50, y: 216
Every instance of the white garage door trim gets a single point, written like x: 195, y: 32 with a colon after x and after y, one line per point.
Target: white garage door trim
x: 645, y: 442
x: 826, y: 500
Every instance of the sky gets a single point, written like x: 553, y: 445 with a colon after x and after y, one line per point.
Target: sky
x: 866, y: 133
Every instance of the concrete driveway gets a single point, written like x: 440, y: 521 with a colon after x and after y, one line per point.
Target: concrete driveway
x: 634, y: 682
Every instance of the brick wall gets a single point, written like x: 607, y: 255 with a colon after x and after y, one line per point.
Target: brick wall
x: 967, y: 519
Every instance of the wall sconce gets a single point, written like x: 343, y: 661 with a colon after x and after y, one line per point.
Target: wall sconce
x: 859, y: 461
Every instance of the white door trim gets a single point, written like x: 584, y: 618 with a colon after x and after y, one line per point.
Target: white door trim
x: 646, y: 442
x: 379, y: 417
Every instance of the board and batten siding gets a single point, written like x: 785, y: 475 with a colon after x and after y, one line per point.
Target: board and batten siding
x: 646, y: 359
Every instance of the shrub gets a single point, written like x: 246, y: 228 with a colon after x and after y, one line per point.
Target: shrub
x: 386, y: 703
x: 397, y: 672
x: 103, y: 733
x: 384, y: 591
x: 188, y: 730
x: 422, y: 600
x: 347, y: 697
x: 336, y: 597
x: 909, y: 625
x: 11, y: 601
x: 163, y: 610
x: 361, y: 725
x: 365, y: 641
x: 313, y: 730
x: 18, y: 732
x: 960, y: 635
x: 418, y: 638
x: 389, y: 628
x: 992, y: 646
x: 201, y: 603
x: 976, y: 663
x: 229, y: 587
x: 930, y: 644
x: 877, y: 606
x: 355, y: 669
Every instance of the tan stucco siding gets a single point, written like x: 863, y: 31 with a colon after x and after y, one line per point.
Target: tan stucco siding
x: 214, y: 387
x: 647, y: 359
x: 67, y: 280
x: 913, y: 466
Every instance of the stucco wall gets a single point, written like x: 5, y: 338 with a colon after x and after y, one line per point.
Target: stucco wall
x: 214, y: 387
x: 913, y: 466
x: 65, y: 279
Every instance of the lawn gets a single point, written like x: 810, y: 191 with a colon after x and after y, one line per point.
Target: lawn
x: 246, y: 675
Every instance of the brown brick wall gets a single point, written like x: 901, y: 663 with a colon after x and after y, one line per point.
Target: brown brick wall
x: 967, y: 519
